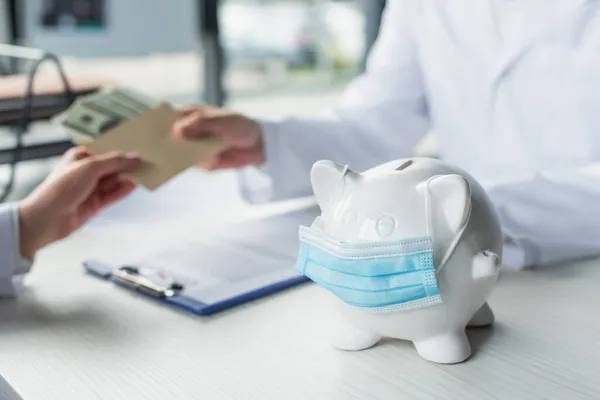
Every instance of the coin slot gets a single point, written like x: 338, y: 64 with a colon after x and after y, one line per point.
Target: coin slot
x: 405, y: 165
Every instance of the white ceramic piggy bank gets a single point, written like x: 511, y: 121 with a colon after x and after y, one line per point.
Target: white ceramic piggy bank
x: 410, y: 250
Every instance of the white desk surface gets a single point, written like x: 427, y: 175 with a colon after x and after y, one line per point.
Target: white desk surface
x: 71, y: 336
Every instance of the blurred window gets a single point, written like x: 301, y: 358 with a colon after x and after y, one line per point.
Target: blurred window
x: 290, y: 44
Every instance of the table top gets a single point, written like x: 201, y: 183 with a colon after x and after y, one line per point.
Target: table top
x: 70, y: 336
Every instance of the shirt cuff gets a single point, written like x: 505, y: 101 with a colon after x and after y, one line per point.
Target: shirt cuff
x: 12, y: 261
x: 516, y: 254
x: 257, y: 182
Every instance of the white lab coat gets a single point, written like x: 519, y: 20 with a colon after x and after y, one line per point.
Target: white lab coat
x: 511, y: 90
x: 12, y: 265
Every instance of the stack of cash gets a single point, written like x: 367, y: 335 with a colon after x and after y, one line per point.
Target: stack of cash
x: 91, y: 116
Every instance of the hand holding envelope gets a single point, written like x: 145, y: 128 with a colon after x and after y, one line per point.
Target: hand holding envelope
x: 241, y: 135
x: 124, y: 121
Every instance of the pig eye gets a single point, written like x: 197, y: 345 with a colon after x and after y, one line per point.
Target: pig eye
x: 386, y: 225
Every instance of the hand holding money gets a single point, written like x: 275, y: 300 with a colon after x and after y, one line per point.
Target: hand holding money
x: 126, y: 121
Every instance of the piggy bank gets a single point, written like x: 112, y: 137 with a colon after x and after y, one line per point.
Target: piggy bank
x: 410, y: 249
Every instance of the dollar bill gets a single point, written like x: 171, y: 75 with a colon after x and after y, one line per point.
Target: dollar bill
x: 93, y: 115
x: 128, y: 100
x: 134, y: 99
x: 104, y: 103
x: 123, y: 101
x: 89, y: 121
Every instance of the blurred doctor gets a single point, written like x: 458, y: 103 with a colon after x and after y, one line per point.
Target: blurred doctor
x: 79, y: 187
x: 510, y: 88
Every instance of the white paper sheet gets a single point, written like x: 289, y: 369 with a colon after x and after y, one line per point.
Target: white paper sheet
x: 184, y: 199
x: 232, y: 260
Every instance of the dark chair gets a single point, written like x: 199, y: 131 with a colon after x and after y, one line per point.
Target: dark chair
x: 27, y: 98
x: 48, y: 96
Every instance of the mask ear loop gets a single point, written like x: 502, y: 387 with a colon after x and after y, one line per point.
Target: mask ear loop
x: 338, y: 188
x: 428, y: 221
x: 336, y: 192
x: 429, y: 228
x: 455, y: 241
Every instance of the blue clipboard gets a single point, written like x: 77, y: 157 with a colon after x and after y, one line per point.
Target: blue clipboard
x: 7, y: 392
x: 243, y: 257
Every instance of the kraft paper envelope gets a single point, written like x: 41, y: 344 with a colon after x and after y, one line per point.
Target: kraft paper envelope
x: 163, y: 155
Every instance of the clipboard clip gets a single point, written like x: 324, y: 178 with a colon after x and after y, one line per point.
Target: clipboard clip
x: 147, y: 280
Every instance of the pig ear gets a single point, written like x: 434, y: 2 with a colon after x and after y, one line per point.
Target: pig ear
x: 325, y: 177
x: 452, y: 194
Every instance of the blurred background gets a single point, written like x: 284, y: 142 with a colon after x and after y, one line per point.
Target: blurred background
x: 160, y: 46
x: 262, y: 57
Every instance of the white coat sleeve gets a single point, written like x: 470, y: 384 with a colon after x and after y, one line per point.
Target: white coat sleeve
x: 382, y: 116
x: 11, y: 262
x: 550, y: 218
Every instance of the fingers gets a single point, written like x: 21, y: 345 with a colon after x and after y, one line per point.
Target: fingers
x: 74, y: 154
x: 211, y: 164
x: 186, y: 111
x: 189, y: 110
x: 109, y: 183
x: 79, y: 153
x: 108, y: 192
x: 201, y: 121
x: 111, y: 163
x: 239, y: 158
x: 121, y: 189
x: 233, y: 158
x: 195, y: 125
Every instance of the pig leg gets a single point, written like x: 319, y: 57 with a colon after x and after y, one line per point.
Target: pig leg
x: 349, y: 337
x: 483, y: 317
x: 448, y: 348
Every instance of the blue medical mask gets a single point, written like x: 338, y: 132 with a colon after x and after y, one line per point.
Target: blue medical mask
x: 379, y: 276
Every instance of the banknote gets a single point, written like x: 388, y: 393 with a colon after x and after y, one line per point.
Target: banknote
x: 134, y: 99
x: 89, y: 121
x: 106, y: 104
x: 122, y: 101
x: 95, y: 114
x: 124, y: 120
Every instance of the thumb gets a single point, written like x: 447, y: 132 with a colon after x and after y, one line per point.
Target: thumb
x: 111, y: 163
x: 195, y: 126
x: 75, y: 154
